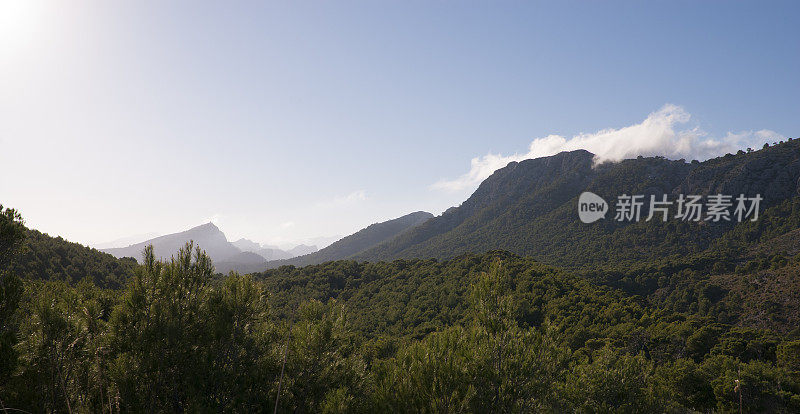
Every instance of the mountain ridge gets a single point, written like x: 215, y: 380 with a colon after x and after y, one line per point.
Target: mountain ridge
x: 529, y: 207
x: 364, y: 239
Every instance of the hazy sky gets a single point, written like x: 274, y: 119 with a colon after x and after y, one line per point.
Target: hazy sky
x: 283, y: 121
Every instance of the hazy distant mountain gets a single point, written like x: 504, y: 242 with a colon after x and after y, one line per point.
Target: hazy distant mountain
x: 242, y: 262
x: 322, y: 241
x: 273, y: 252
x: 247, y: 245
x: 208, y: 237
x: 266, y: 252
x: 125, y: 241
x: 359, y: 241
x: 302, y: 250
x: 243, y: 255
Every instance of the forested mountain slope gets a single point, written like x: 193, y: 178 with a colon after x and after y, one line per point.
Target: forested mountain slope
x: 359, y: 241
x: 530, y: 208
x: 42, y: 257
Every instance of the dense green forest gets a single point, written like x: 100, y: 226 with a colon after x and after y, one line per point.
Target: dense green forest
x: 54, y: 258
x: 491, y: 332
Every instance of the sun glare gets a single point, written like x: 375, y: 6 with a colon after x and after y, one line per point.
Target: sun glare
x: 20, y: 20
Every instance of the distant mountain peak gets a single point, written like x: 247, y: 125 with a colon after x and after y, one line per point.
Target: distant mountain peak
x: 210, y: 227
x: 247, y: 245
x: 207, y: 236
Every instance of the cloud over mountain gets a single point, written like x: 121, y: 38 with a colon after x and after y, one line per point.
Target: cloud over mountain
x: 659, y: 134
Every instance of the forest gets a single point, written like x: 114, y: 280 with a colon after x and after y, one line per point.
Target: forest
x: 492, y: 332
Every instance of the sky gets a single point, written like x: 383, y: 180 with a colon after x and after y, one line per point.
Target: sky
x: 283, y: 122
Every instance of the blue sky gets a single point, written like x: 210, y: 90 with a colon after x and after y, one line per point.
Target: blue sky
x: 284, y: 121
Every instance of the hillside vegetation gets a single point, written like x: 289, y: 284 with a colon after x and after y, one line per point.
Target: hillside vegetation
x: 42, y: 257
x: 492, y: 332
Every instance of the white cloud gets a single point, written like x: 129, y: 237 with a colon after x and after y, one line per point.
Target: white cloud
x: 287, y: 224
x: 351, y: 198
x: 215, y: 218
x: 658, y: 134
x: 346, y: 200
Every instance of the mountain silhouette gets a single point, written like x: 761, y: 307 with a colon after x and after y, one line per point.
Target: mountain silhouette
x: 208, y: 236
